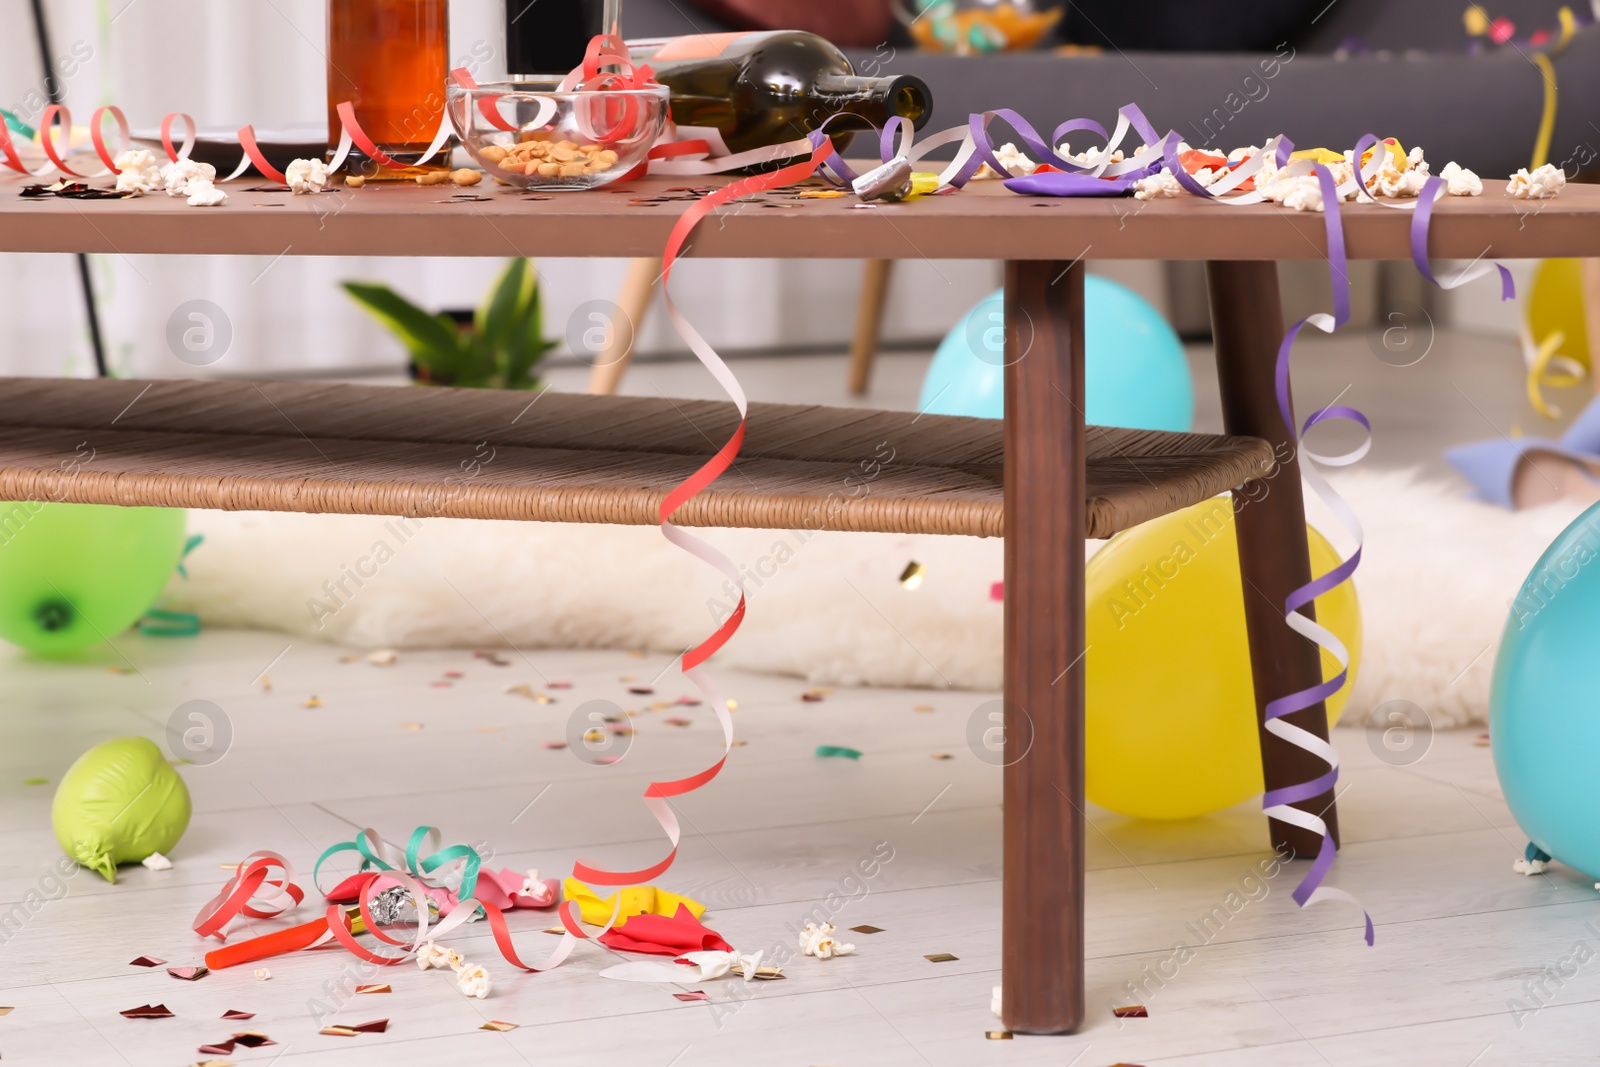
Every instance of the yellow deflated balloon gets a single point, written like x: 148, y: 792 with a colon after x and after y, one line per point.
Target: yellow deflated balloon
x: 1555, y: 303
x: 1171, y: 730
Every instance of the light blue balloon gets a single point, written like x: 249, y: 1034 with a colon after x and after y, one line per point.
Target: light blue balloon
x: 1135, y: 375
x: 1544, y: 702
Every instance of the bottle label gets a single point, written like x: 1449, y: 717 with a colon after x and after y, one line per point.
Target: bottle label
x: 696, y: 46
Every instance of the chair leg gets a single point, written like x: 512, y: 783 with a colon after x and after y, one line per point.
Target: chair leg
x: 1247, y: 324
x: 869, y: 322
x: 632, y: 303
x: 1041, y: 925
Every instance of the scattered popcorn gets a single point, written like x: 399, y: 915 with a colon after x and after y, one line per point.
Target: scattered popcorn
x: 535, y: 887
x: 436, y: 955
x: 205, y: 194
x: 1459, y: 181
x: 1529, y: 867
x: 1159, y: 184
x: 175, y: 177
x: 994, y: 1001
x: 307, y: 176
x: 1089, y: 157
x: 818, y: 941
x: 383, y: 657
x: 1542, y: 184
x: 263, y: 975
x: 1302, y: 193
x: 474, y: 981
x: 157, y: 862
x: 138, y: 172
x: 1209, y: 176
x: 1016, y: 162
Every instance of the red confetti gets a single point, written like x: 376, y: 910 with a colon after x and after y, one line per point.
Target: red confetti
x: 555, y: 744
x: 146, y: 961
x: 221, y: 1048
x: 147, y: 1011
x: 376, y: 1026
x: 997, y: 591
x: 188, y: 974
x: 440, y: 685
x: 676, y: 720
x: 1138, y: 1011
x: 237, y: 1014
x: 252, y: 1039
x: 1502, y: 30
x: 560, y: 685
x: 454, y: 674
x: 688, y: 702
x: 694, y: 995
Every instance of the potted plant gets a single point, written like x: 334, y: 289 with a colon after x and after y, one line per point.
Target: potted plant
x: 498, y: 346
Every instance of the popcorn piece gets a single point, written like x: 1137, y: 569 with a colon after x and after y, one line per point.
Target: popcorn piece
x: 818, y: 941
x: 137, y: 172
x: 1459, y: 181
x: 204, y: 194
x: 1209, y: 176
x: 474, y: 981
x: 383, y: 657
x: 307, y: 176
x: 1089, y: 157
x: 175, y: 177
x: 1392, y: 180
x: 536, y: 888
x: 1159, y: 184
x: 1017, y: 164
x: 436, y: 955
x: 263, y: 975
x: 1542, y: 184
x: 1303, y: 193
x: 1529, y: 867
x: 157, y: 862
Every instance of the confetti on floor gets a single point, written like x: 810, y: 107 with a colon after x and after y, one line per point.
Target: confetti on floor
x: 837, y: 752
x: 349, y: 658
x: 913, y: 575
x: 454, y: 674
x: 997, y: 1035
x: 688, y: 702
x: 558, y: 685
x: 942, y: 755
x: 146, y: 961
x: 497, y: 1026
x: 221, y: 1048
x: 36, y: 781
x: 677, y: 720
x: 383, y: 657
x: 821, y: 194
x: 253, y: 1039
x: 1137, y: 1011
x: 941, y: 957
x: 311, y: 702
x: 697, y: 994
x: 412, y: 726
x: 440, y: 685
x: 923, y: 707
x: 555, y: 744
x: 1482, y: 740
x: 6, y: 1010
x: 235, y: 1013
x: 337, y: 1031
x: 641, y: 690
x: 147, y: 1011
x: 188, y: 974
x: 374, y: 989
x: 866, y: 929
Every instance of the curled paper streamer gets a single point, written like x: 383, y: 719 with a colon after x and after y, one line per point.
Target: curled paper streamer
x: 455, y: 867
x: 250, y: 892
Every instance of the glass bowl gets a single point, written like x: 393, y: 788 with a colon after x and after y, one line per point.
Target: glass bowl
x: 534, y: 136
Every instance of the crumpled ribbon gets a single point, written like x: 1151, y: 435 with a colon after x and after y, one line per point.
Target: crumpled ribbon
x: 454, y: 868
x: 634, y: 900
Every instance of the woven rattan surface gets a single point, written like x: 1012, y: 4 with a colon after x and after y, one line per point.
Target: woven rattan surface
x: 319, y: 447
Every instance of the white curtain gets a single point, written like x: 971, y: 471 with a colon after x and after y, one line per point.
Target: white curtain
x: 231, y: 62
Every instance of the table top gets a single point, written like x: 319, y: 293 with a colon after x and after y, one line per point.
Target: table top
x: 628, y: 219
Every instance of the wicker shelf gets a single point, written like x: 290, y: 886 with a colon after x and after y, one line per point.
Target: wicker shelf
x: 308, y: 447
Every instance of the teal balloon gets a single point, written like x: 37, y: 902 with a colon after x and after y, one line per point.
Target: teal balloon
x: 1544, y: 701
x: 75, y: 575
x: 1135, y: 373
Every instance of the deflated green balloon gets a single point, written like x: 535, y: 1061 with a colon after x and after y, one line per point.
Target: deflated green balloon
x: 73, y: 575
x: 118, y: 803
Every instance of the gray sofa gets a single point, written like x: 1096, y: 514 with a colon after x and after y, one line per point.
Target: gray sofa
x: 1423, y: 88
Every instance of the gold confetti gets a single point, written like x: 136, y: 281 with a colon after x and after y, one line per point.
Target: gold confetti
x: 498, y: 1026
x: 554, y: 930
x: 311, y: 702
x: 1482, y: 740
x: 384, y: 657
x: 941, y: 957
x: 997, y: 1035
x: 337, y: 1031
x: 594, y: 737
x: 7, y: 1011
x: 540, y: 698
x: 733, y: 705
x: 412, y: 726
x: 821, y: 194
x: 866, y: 929
x: 740, y: 743
x: 266, y: 683
x: 942, y: 755
x: 350, y: 658
x: 374, y: 989
x: 627, y: 677
x: 912, y: 576
x: 923, y: 707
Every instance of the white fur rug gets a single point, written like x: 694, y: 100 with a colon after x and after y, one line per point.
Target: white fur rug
x: 1438, y: 574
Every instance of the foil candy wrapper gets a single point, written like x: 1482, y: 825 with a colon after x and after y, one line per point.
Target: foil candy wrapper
x: 891, y: 181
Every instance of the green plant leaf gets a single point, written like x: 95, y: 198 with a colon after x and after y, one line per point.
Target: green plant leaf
x: 432, y: 340
x: 504, y: 304
x: 527, y: 346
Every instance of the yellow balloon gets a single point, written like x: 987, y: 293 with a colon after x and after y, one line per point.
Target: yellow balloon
x: 1555, y: 303
x: 1171, y: 722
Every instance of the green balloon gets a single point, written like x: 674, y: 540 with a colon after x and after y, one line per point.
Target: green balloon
x: 73, y: 575
x: 118, y: 803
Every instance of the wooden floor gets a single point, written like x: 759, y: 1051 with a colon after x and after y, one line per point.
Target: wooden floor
x: 1428, y: 849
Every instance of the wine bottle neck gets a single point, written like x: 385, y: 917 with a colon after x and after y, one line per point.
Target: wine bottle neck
x: 875, y: 100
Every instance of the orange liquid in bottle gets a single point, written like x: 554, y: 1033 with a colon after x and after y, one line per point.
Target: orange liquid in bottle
x: 389, y: 58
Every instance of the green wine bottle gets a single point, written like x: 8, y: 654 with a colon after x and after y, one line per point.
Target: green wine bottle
x: 759, y: 89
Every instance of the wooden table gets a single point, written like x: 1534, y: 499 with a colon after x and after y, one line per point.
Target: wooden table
x: 1055, y: 473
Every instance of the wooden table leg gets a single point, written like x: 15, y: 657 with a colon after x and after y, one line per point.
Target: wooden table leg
x: 1247, y: 324
x: 869, y: 322
x: 1042, y: 925
x: 638, y: 289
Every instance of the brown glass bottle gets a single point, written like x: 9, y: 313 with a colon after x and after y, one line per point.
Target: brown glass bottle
x: 390, y: 59
x: 758, y: 89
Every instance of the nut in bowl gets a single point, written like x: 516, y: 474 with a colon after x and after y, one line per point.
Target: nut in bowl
x: 533, y: 135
